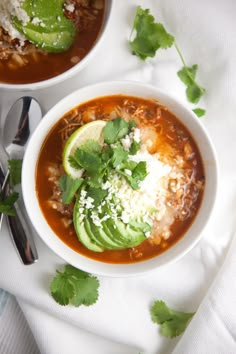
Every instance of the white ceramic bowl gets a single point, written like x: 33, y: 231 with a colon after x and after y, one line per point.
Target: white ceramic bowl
x: 73, y: 70
x: 197, y: 130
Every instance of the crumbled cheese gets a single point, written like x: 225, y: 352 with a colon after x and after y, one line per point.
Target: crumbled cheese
x: 9, y: 8
x: 70, y: 7
x: 35, y: 21
x: 127, y: 141
x: 146, y: 202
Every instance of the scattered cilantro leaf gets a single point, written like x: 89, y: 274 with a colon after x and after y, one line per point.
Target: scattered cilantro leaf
x: 97, y: 161
x: 97, y: 194
x: 78, y: 273
x: 150, y: 36
x: 69, y: 187
x: 135, y: 146
x: 74, y: 162
x: 88, y: 156
x: 132, y: 124
x: 86, y: 291
x: 74, y: 286
x: 15, y: 167
x: 119, y: 155
x: 7, y: 204
x: 140, y: 171
x: 193, y: 91
x: 133, y: 183
x: 172, y: 322
x: 199, y: 112
x: 62, y: 289
x: 188, y: 76
x: 115, y: 130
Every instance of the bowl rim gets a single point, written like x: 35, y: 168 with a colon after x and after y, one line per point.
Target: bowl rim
x: 74, y: 69
x: 182, y: 246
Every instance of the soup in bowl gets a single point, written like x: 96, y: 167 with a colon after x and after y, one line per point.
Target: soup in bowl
x: 119, y: 178
x: 44, y: 42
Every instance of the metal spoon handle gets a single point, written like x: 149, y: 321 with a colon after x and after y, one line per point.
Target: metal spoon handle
x: 19, y: 231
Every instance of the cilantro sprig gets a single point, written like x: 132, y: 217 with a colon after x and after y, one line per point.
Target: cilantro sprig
x: 98, y: 162
x: 74, y: 286
x: 7, y: 203
x: 172, y: 322
x: 15, y: 167
x: 151, y: 36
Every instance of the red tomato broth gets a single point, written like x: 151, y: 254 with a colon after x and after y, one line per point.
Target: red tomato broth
x: 171, y: 134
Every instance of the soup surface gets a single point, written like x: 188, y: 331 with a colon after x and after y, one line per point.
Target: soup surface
x: 174, y: 183
x: 22, y: 63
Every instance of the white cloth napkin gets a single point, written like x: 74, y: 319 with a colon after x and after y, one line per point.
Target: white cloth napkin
x: 206, y: 33
x: 213, y: 328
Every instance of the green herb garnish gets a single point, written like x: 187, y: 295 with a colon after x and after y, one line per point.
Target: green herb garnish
x: 7, y: 204
x: 69, y: 187
x: 15, y: 167
x: 115, y: 130
x: 173, y: 323
x: 98, y: 162
x: 199, y: 112
x: 187, y: 75
x: 151, y: 36
x: 75, y: 287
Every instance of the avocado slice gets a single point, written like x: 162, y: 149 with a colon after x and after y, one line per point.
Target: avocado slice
x: 91, y: 233
x: 81, y: 231
x: 125, y: 233
x: 54, y: 42
x: 112, y: 237
x: 48, y: 28
x: 134, y: 237
x: 101, y: 235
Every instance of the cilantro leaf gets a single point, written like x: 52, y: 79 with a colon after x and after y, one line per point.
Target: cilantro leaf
x: 193, y: 91
x: 74, y: 286
x: 187, y: 74
x: 115, y: 130
x: 140, y: 171
x: 86, y: 291
x: 69, y: 187
x: 119, y: 155
x: 88, y: 156
x: 15, y: 167
x: 135, y: 146
x: 199, y: 112
x: 7, y: 204
x: 172, y: 322
x: 97, y: 194
x: 61, y: 288
x: 78, y: 273
x: 150, y: 36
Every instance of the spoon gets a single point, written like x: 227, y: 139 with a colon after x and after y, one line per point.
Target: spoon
x: 20, y: 121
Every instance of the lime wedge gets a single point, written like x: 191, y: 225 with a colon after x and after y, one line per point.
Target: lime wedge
x: 88, y: 131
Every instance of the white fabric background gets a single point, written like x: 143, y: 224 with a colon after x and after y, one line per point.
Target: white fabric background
x: 205, y: 31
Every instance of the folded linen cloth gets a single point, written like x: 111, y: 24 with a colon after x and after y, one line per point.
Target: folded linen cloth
x: 213, y: 328
x: 122, y: 311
